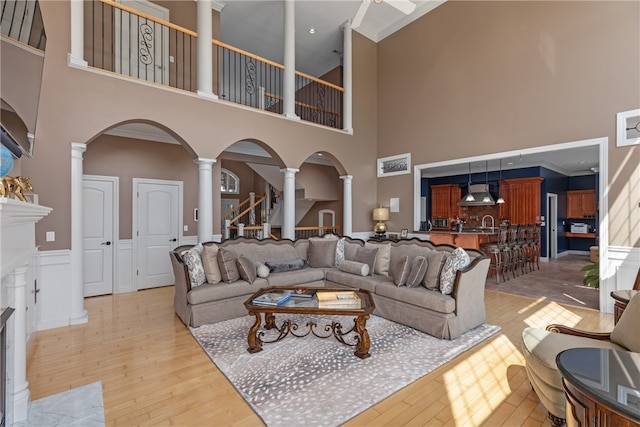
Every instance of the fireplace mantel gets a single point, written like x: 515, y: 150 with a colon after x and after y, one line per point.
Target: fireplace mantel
x: 18, y: 244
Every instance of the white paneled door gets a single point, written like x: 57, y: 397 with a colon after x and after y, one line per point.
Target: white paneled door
x: 99, y: 228
x: 157, y: 208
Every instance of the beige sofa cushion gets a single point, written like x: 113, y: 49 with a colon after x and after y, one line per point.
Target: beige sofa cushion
x: 322, y: 252
x: 366, y: 256
x: 418, y: 270
x: 383, y: 257
x: 625, y: 332
x: 435, y: 262
x: 401, y: 271
x: 246, y: 268
x: 210, y: 263
x: 419, y: 296
x: 354, y: 267
x: 227, y: 263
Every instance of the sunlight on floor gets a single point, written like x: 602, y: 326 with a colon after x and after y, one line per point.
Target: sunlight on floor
x: 479, y: 384
x: 551, y: 310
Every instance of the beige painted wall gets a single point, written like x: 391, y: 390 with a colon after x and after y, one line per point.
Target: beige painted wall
x: 473, y: 78
x: 78, y: 105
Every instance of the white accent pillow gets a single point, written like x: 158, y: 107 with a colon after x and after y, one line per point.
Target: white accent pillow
x: 262, y: 270
x: 340, y: 251
x: 210, y: 263
x: 456, y: 261
x: 193, y: 260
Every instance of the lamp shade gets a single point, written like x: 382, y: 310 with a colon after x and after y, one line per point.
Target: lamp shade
x: 381, y: 214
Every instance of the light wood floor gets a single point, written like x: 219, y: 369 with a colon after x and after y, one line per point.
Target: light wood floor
x: 155, y: 374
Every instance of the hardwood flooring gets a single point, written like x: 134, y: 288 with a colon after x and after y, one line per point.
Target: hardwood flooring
x: 155, y: 374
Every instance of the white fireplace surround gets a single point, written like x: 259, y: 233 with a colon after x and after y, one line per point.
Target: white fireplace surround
x: 17, y: 270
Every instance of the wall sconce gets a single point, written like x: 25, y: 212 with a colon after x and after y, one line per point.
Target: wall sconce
x: 380, y: 215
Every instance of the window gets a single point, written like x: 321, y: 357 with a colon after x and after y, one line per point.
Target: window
x: 229, y: 182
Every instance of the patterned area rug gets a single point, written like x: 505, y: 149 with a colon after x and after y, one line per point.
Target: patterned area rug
x: 320, y: 382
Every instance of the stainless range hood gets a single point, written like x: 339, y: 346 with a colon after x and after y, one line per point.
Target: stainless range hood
x: 481, y: 195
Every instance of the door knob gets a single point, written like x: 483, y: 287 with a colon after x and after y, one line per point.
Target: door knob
x: 106, y: 243
x: 173, y: 240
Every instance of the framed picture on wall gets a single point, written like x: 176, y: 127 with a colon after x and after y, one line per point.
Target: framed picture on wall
x: 404, y: 233
x: 394, y: 165
x: 628, y: 128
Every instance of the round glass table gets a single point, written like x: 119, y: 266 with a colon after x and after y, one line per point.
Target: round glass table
x: 602, y: 386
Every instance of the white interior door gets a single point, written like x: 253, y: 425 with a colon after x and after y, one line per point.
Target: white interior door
x: 99, y: 226
x: 157, y: 209
x: 552, y: 226
x: 142, y: 45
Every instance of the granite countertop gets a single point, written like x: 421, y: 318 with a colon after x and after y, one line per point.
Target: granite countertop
x: 470, y: 230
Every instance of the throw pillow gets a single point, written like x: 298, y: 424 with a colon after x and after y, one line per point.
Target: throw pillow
x: 289, y: 265
x: 456, y: 261
x: 366, y: 256
x: 354, y: 267
x: 322, y: 252
x: 339, y: 251
x: 435, y: 262
x: 262, y: 270
x: 246, y: 268
x: 418, y: 270
x: 227, y: 262
x: 382, y: 259
x: 625, y: 332
x: 193, y: 260
x: 210, y: 263
x: 401, y: 271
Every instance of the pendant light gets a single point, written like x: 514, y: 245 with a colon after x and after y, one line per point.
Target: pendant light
x: 486, y: 198
x: 500, y: 199
x: 469, y: 197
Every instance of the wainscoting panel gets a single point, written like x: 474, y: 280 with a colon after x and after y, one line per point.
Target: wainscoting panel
x: 624, y: 263
x: 124, y: 267
x: 54, y: 298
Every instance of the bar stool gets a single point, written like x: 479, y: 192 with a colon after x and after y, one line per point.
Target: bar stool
x: 499, y: 253
x: 535, y: 247
x: 522, y: 248
x: 513, y: 248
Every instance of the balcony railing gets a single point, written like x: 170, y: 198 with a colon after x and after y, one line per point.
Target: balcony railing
x: 22, y: 20
x: 129, y: 42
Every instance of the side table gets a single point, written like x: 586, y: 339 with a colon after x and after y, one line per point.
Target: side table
x: 621, y: 299
x: 602, y: 386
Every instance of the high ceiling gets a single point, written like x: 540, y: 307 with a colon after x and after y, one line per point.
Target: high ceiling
x: 257, y: 26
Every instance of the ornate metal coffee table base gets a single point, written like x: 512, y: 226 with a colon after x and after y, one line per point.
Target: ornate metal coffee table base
x: 361, y: 340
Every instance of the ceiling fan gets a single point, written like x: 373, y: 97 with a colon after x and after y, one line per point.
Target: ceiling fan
x: 404, y: 6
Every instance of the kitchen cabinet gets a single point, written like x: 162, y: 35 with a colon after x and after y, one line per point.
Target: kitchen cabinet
x: 522, y: 200
x: 581, y: 204
x: 444, y: 200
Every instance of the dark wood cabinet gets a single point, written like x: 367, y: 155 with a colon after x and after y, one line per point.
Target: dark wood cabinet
x: 581, y: 204
x: 444, y: 200
x: 522, y: 198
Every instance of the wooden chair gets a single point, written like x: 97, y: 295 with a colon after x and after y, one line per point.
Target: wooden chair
x: 499, y: 253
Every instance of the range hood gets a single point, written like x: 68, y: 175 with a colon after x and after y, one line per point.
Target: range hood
x: 479, y: 191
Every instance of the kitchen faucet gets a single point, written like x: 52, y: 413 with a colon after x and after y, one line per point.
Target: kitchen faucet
x: 493, y: 221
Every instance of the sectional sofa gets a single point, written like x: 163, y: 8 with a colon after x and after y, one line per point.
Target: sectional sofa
x: 437, y: 289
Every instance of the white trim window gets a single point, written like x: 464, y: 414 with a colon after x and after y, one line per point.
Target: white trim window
x: 229, y: 182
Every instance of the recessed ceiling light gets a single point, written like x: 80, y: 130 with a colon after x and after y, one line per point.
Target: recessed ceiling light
x: 510, y: 163
x: 312, y: 30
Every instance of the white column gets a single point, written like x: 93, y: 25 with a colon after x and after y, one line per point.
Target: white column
x: 347, y: 76
x: 217, y: 201
x: 289, y: 198
x: 205, y: 55
x: 289, y: 89
x: 18, y: 396
x: 76, y: 56
x: 78, y: 313
x: 347, y: 205
x: 205, y: 199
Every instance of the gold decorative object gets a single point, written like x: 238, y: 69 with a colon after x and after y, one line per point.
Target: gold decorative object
x: 17, y: 186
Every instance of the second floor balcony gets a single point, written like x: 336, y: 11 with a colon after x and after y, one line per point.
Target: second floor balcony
x: 138, y: 44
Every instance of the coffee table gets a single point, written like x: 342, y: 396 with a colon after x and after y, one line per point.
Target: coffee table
x: 310, y: 306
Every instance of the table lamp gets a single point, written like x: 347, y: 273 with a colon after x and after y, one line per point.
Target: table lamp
x: 380, y: 215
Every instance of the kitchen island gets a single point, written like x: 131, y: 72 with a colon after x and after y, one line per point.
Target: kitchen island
x: 467, y: 238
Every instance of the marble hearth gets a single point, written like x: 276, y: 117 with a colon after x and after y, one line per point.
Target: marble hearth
x: 17, y: 271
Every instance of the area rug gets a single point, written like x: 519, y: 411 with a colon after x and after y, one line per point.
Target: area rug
x: 320, y: 382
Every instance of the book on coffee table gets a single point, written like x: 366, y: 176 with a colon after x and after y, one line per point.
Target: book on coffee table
x: 272, y: 298
x: 303, y: 293
x: 346, y: 299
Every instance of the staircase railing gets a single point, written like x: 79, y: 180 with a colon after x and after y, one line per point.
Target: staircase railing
x: 248, y: 215
x: 22, y: 21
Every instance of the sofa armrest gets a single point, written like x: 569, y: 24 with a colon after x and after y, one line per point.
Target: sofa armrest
x: 468, y: 291
x: 561, y: 329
